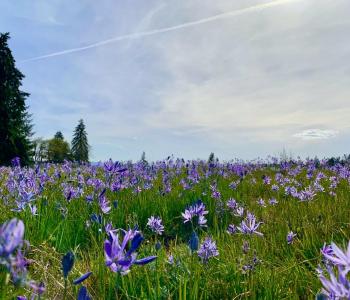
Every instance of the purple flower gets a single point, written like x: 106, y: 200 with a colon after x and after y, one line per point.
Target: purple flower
x: 207, y: 249
x: 245, y: 247
x: 193, y: 242
x: 239, y: 211
x: 231, y: 204
x: 170, y: 259
x: 290, y: 237
x: 274, y: 187
x: 82, y: 278
x: 33, y: 209
x: 231, y: 229
x: 335, y: 288
x: 249, y: 225
x: 155, y: 224
x: 38, y: 289
x: 83, y: 294
x: 11, y: 243
x: 273, y: 201
x: 118, y: 258
x: 16, y: 162
x: 261, y: 202
x: 103, y: 202
x: 11, y: 237
x: 339, y: 257
x: 327, y: 249
x: 196, y: 210
x: 67, y: 263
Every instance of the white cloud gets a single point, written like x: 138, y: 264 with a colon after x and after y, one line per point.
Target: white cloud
x: 316, y: 134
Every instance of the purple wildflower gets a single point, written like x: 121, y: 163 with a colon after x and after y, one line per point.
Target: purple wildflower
x: 335, y: 288
x: 261, y: 202
x: 82, y: 278
x: 231, y: 229
x: 239, y: 211
x: 290, y: 237
x: 11, y: 237
x: 155, y: 224
x: 245, y: 247
x: 207, y: 249
x: 196, y: 210
x: 103, y: 202
x: 339, y: 257
x: 231, y: 203
x: 273, y: 201
x: 249, y: 225
x: 118, y: 258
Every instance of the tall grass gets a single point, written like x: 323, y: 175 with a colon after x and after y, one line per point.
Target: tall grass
x: 284, y: 272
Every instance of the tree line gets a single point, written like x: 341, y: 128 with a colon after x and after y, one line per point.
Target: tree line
x: 16, y: 128
x: 57, y: 149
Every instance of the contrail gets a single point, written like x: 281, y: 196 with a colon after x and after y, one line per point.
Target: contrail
x: 166, y: 29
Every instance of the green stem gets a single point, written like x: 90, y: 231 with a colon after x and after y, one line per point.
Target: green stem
x: 65, y: 289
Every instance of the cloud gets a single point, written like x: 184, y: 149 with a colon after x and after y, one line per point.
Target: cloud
x: 137, y: 35
x: 316, y: 134
x: 242, y: 86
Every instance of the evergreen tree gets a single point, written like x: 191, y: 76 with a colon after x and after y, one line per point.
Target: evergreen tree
x: 80, y: 145
x: 211, y: 158
x: 15, y: 123
x: 59, y: 135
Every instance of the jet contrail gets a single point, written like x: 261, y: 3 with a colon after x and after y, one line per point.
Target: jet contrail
x: 166, y: 29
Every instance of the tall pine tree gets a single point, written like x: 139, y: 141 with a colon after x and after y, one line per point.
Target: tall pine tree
x: 15, y: 123
x: 80, y: 145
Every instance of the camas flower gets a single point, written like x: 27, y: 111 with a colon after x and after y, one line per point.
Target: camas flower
x: 290, y: 237
x: 339, y: 257
x: 103, y: 202
x: 239, y: 211
x: 155, y: 224
x: 249, y: 225
x: 11, y: 237
x: 261, y: 202
x: 196, y: 210
x: 231, y: 229
x: 118, y: 257
x: 231, y: 203
x: 11, y: 256
x: 207, y: 249
x: 82, y: 278
x: 335, y: 288
x: 273, y: 201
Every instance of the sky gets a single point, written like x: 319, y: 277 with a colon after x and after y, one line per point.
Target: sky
x: 240, y: 78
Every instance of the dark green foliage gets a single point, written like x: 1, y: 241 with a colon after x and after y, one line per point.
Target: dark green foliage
x: 15, y: 123
x: 211, y: 158
x: 143, y: 158
x: 59, y: 135
x: 80, y: 145
x: 58, y: 149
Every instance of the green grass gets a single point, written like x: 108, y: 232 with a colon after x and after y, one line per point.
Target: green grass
x: 285, y: 272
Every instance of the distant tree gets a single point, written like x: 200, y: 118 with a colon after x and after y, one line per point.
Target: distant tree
x: 80, y: 145
x: 58, y: 149
x: 143, y: 157
x: 59, y: 135
x: 211, y: 158
x: 40, y: 148
x: 15, y: 123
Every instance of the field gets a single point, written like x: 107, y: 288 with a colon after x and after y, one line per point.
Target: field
x: 302, y: 205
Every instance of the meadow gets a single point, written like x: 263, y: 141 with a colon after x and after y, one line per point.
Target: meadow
x: 175, y: 229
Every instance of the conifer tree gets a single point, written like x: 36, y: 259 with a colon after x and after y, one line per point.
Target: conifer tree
x: 15, y: 123
x: 80, y: 145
